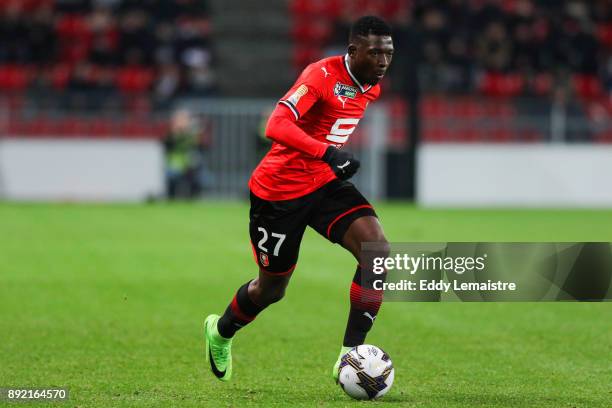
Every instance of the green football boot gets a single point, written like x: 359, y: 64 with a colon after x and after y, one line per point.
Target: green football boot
x: 336, y: 368
x: 218, y: 349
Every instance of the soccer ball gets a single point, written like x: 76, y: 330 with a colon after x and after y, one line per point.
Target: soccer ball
x: 366, y: 372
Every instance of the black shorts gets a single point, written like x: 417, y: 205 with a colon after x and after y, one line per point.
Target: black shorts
x: 276, y: 227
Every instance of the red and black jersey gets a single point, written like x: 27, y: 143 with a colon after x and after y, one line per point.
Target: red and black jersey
x: 323, y: 107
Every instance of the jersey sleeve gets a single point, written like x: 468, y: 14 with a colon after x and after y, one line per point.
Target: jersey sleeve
x: 282, y: 129
x: 306, y: 91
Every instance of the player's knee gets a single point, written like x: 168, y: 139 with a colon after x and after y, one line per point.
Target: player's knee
x: 385, y: 247
x: 377, y: 237
x: 276, y: 294
x: 272, y: 294
x: 266, y: 293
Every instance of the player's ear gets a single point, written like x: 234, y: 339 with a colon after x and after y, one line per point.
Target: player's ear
x: 352, y: 49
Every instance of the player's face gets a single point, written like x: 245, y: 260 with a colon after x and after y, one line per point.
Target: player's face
x: 371, y: 57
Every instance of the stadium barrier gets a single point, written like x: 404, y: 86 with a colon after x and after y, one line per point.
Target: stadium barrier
x: 80, y: 170
x: 514, y: 175
x: 232, y: 141
x: 94, y: 167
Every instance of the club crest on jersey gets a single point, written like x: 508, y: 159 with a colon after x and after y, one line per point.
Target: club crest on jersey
x: 345, y: 90
x: 263, y: 257
x: 295, y: 97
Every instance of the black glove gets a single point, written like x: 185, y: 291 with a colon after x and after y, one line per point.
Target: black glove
x: 342, y: 163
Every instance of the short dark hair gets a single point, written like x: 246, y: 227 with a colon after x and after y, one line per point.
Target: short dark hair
x: 367, y: 25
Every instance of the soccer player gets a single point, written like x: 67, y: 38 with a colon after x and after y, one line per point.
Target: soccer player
x: 302, y: 182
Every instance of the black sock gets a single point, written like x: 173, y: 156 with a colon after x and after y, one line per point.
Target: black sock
x: 240, y: 312
x: 365, y: 303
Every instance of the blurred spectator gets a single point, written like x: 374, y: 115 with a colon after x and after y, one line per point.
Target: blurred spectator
x: 13, y: 34
x: 135, y: 38
x: 116, y: 46
x: 72, y: 6
x: 185, y: 146
x: 41, y: 37
x: 104, y: 50
x: 108, y: 4
x: 168, y: 84
x: 607, y: 76
x: 463, y: 41
x: 432, y: 73
x: 459, y: 70
x: 494, y: 48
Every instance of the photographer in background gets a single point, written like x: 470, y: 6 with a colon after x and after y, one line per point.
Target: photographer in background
x: 186, y: 174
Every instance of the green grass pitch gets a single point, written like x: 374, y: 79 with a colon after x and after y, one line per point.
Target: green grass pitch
x: 110, y: 300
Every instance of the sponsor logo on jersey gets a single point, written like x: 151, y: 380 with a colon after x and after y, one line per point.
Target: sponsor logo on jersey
x: 295, y: 97
x: 263, y: 257
x: 347, y: 91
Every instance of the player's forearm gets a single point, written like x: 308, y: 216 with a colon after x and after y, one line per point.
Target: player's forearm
x: 284, y: 131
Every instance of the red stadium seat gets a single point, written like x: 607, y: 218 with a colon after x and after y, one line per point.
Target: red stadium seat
x: 311, y: 33
x: 102, y: 128
x: 604, y: 137
x: 587, y: 86
x: 301, y: 8
x: 466, y: 110
x: 301, y: 31
x: 72, y: 26
x: 139, y: 105
x: 435, y: 107
x: 508, y: 6
x: 501, y: 85
x: 542, y: 84
x: 14, y: 78
x: 74, y: 37
x: 604, y: 33
x: 72, y: 127
x: 135, y: 129
x: 134, y: 79
x: 304, y: 55
x: 58, y: 76
x: 316, y: 9
x: 28, y: 5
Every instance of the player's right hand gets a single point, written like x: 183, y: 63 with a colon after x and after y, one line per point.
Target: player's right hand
x: 343, y: 164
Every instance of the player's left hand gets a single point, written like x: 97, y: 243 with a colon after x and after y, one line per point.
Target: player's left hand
x: 343, y: 164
